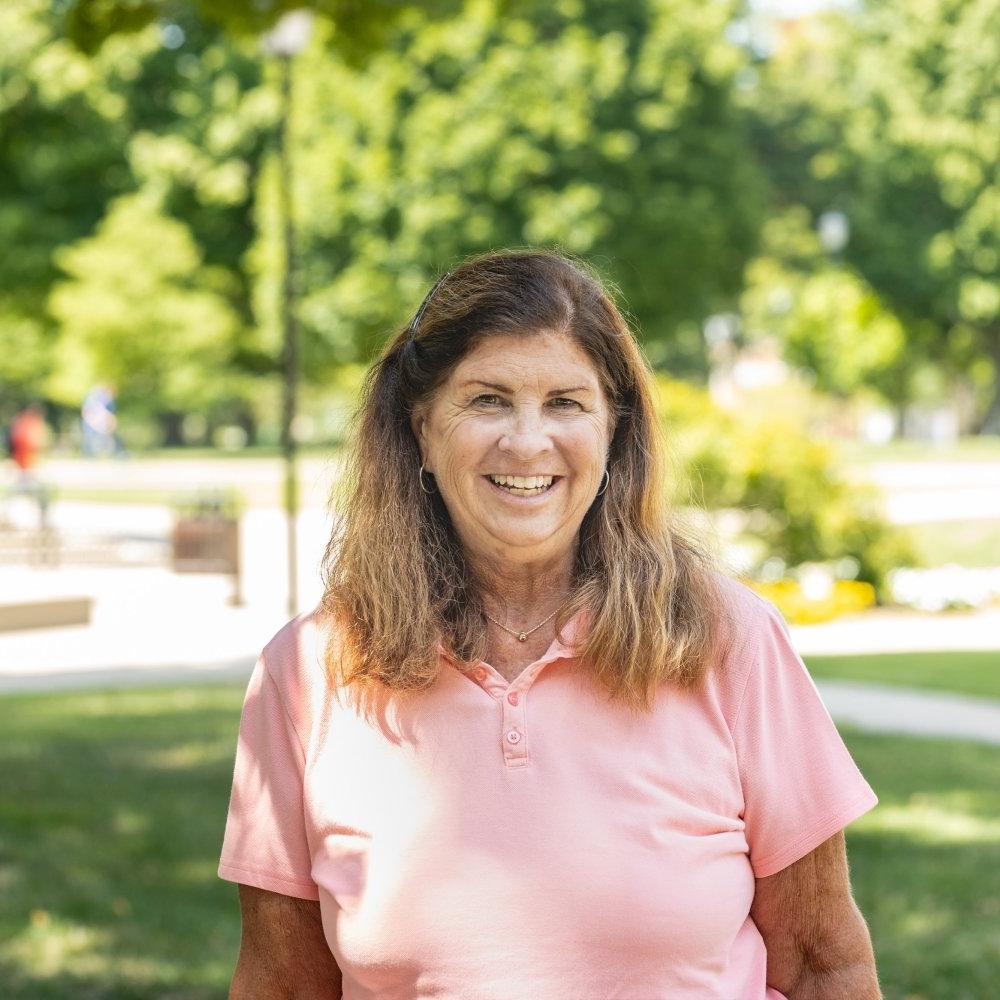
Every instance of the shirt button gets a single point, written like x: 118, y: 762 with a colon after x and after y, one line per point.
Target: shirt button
x: 513, y: 736
x: 512, y: 697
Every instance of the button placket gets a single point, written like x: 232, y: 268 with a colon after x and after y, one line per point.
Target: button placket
x: 513, y: 737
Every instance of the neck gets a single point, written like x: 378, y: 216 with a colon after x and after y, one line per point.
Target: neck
x: 520, y: 590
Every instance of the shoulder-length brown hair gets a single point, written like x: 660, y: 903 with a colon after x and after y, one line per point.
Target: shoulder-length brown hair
x: 395, y: 574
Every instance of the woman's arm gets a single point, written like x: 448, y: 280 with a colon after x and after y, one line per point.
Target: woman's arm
x: 818, y: 947
x: 283, y: 952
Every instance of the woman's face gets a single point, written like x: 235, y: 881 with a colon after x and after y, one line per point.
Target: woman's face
x: 527, y: 406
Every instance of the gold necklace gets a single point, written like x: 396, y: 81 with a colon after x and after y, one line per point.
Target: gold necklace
x: 522, y: 636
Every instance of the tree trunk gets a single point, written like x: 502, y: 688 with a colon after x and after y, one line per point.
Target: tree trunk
x: 991, y: 421
x: 249, y: 423
x: 170, y: 428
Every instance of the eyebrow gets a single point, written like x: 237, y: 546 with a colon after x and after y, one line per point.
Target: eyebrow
x: 509, y: 391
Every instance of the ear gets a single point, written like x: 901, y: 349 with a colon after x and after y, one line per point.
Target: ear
x: 418, y: 421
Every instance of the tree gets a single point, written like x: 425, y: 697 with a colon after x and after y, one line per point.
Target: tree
x: 61, y: 160
x: 891, y: 114
x: 173, y: 111
x: 361, y: 27
x: 829, y: 320
x: 605, y: 130
x: 139, y: 309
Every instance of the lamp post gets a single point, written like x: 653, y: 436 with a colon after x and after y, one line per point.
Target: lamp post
x: 285, y: 40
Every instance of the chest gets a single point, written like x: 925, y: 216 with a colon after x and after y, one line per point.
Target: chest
x: 509, y: 656
x: 615, y: 836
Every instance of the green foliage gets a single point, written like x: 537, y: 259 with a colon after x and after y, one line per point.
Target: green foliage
x: 361, y: 27
x: 77, y: 134
x: 140, y: 309
x: 891, y: 113
x: 60, y: 162
x: 632, y: 133
x: 802, y: 507
x: 827, y: 317
x: 608, y: 131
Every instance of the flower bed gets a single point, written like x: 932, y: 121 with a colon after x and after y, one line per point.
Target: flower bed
x: 800, y: 606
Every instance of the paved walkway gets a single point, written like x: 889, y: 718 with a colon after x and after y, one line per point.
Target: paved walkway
x: 888, y: 630
x: 885, y: 709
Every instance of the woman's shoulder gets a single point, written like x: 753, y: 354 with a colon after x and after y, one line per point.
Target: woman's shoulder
x: 745, y: 619
x: 294, y: 659
x: 744, y: 611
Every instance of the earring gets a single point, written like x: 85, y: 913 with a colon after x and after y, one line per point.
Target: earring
x: 420, y: 476
x: 606, y: 482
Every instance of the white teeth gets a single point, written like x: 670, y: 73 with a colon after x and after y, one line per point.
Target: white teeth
x: 524, y: 482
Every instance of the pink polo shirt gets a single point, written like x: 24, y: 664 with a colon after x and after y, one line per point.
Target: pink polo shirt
x: 492, y: 841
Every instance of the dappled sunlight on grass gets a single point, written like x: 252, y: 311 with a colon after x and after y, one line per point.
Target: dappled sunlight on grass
x: 129, y: 822
x: 921, y: 925
x: 112, y: 827
x: 925, y: 864
x: 189, y: 755
x: 49, y: 944
x: 934, y: 824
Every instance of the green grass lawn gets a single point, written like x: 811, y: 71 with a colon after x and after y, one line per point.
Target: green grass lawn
x: 974, y: 543
x: 110, y: 821
x: 980, y: 448
x: 113, y: 804
x: 972, y: 673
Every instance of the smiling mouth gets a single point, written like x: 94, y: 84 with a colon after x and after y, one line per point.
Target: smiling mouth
x: 523, y: 486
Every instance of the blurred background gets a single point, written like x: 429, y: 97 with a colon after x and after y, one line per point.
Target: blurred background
x: 214, y: 213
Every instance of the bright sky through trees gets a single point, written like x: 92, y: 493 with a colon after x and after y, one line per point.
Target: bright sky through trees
x: 795, y: 8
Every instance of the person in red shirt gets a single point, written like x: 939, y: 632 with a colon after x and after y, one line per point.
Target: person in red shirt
x: 27, y: 437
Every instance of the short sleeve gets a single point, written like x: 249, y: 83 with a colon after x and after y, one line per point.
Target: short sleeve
x: 265, y: 843
x: 800, y: 783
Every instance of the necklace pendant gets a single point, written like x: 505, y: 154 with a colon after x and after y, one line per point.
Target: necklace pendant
x: 523, y: 637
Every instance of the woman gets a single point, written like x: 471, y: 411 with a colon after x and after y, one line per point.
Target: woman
x: 533, y: 744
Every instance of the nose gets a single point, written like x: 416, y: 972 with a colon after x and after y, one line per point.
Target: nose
x: 526, y: 436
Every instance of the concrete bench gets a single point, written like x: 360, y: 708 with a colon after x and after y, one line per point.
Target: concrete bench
x: 44, y: 613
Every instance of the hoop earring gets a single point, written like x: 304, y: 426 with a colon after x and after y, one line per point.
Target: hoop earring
x: 420, y: 477
x: 606, y: 482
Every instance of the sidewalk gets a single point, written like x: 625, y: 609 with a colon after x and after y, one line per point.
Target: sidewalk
x: 886, y: 630
x: 884, y: 709
x: 150, y: 624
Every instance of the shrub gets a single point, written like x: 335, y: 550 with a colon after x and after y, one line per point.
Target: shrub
x: 795, y: 500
